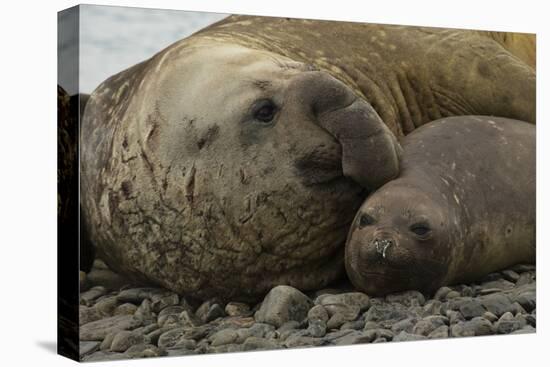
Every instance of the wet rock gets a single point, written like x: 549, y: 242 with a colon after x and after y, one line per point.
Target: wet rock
x: 510, y: 275
x: 497, y: 304
x: 374, y: 334
x: 144, y: 351
x: 255, y: 343
x: 222, y: 337
x: 451, y: 295
x: 137, y: 295
x: 317, y: 328
x: 474, y: 327
x: 161, y: 301
x: 237, y: 309
x: 317, y: 313
x: 404, y: 325
x: 429, y: 324
x: 282, y: 304
x: 498, y: 284
x: 144, y: 312
x: 87, y: 348
x: 441, y: 294
x: 440, y: 332
x: 87, y: 298
x: 125, y: 339
x: 507, y: 323
x: 352, y: 299
x: 97, y: 330
x: 104, y: 356
x: 403, y: 336
x: 354, y: 325
x: 126, y: 309
x: 408, y: 298
x: 88, y: 314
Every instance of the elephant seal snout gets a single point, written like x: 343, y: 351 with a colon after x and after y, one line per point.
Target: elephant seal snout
x: 463, y: 206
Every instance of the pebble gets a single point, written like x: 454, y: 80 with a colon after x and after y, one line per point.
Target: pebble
x: 126, y: 309
x: 237, y: 309
x: 97, y: 330
x: 125, y: 339
x: 408, y: 298
x: 283, y: 303
x: 143, y: 322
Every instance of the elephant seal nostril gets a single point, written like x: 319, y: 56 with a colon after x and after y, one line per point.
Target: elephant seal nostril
x: 382, y: 246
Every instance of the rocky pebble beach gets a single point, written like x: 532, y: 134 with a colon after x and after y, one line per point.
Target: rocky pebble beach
x: 119, y: 320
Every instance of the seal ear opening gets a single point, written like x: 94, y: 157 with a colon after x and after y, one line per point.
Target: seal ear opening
x: 370, y: 152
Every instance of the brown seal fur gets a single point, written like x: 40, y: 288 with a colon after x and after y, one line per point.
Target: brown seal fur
x: 463, y: 206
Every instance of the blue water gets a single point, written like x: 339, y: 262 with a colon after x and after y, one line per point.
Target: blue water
x: 115, y: 38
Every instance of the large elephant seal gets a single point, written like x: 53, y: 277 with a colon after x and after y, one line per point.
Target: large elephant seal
x: 463, y: 206
x: 236, y: 159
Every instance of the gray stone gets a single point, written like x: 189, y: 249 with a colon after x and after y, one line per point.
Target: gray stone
x: 351, y: 299
x: 125, y: 339
x: 452, y: 294
x: 441, y: 293
x: 188, y: 318
x: 353, y: 337
x: 378, y: 333
x: 474, y: 327
x: 104, y: 356
x: 188, y: 344
x: 371, y: 325
x: 355, y: 325
x: 170, y: 315
x: 454, y: 317
x: 317, y: 328
x: 144, y: 311
x: 222, y: 337
x: 316, y: 313
x: 517, y: 309
x: 403, y: 336
x: 283, y: 303
x: 486, y: 291
x: 507, y: 323
x: 237, y: 309
x: 490, y: 316
x: 87, y: 348
x: 339, y: 319
x: 522, y: 268
x: 171, y: 337
x: 144, y: 351
x: 126, y: 309
x: 497, y: 304
x: 404, y: 325
x: 97, y: 330
x: 531, y: 320
x: 499, y: 284
x: 432, y: 307
x: 137, y: 295
x: 300, y: 339
x: 161, y: 301
x: 390, y: 312
x: 88, y: 314
x: 289, y: 325
x: 429, y: 324
x: 408, y: 298
x: 91, y: 294
x: 255, y: 343
x: 471, y: 308
x: 106, y: 343
x: 525, y: 278
x: 527, y: 300
x: 107, y: 305
x: 510, y: 275
x: 260, y: 329
x: 440, y: 332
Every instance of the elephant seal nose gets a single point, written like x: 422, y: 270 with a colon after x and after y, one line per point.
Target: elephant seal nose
x: 382, y: 245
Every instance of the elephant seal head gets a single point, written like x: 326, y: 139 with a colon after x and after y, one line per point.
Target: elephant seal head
x: 217, y: 169
x: 400, y: 240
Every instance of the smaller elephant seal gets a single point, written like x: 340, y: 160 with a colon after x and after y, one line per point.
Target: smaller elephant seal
x: 463, y: 206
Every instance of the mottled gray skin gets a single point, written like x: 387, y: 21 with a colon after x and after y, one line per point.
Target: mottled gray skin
x: 182, y: 186
x: 463, y: 206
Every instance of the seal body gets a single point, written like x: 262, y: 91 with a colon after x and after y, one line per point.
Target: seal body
x: 463, y: 206
x: 235, y: 160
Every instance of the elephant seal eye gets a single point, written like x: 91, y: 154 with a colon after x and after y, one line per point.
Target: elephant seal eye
x: 420, y: 229
x: 365, y: 220
x: 265, y: 111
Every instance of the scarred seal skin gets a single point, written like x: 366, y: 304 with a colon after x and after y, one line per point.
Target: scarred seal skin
x: 462, y: 207
x: 235, y: 160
